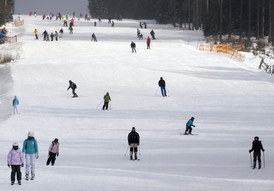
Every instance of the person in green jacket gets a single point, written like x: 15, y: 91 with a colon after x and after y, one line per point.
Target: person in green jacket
x: 106, y: 101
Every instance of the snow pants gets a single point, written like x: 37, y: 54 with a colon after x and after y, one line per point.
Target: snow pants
x: 52, y: 158
x: 256, y: 155
x: 133, y: 148
x: 163, y: 90
x: 105, y: 106
x: 15, y: 169
x: 15, y: 109
x: 188, y: 130
x: 30, y: 163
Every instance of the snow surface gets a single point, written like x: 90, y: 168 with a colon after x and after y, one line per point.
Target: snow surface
x: 231, y: 101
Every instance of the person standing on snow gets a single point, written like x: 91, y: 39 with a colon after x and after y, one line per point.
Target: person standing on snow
x: 93, y: 37
x: 189, y: 126
x: 133, y: 47
x: 162, y: 85
x: 256, y: 148
x: 15, y: 159
x: 73, y: 86
x: 133, y: 142
x: 53, y: 152
x: 138, y: 33
x: 30, y: 148
x: 36, y: 34
x: 45, y: 33
x: 107, y: 99
x: 61, y: 33
x: 56, y: 35
x: 152, y: 33
x: 15, y: 103
x: 148, y: 42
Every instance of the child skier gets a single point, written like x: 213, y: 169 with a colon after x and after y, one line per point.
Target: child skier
x: 53, y: 152
x: 15, y: 159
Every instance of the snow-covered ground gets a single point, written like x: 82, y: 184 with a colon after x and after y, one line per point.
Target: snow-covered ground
x: 231, y: 101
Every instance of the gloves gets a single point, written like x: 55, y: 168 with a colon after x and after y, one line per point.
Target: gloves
x: 37, y: 155
x: 8, y: 165
x: 193, y: 125
x: 263, y: 150
x: 249, y: 151
x: 22, y: 165
x: 57, y: 154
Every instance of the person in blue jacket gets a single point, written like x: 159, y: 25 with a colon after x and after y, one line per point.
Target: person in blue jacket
x: 30, y: 148
x: 15, y: 103
x: 189, y: 126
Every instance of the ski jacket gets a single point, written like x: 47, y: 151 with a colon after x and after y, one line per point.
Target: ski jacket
x: 162, y: 83
x: 15, y: 157
x: 189, y: 123
x: 15, y: 101
x: 72, y: 85
x: 107, y: 98
x: 148, y: 40
x: 35, y: 31
x: 133, y: 137
x: 133, y: 45
x: 54, y: 147
x: 30, y: 146
x: 257, y: 146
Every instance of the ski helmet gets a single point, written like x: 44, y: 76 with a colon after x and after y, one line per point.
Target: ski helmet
x: 30, y: 134
x: 15, y: 144
x: 256, y: 138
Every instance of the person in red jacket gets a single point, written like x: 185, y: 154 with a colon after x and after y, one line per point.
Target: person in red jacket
x: 148, y: 42
x: 256, y: 148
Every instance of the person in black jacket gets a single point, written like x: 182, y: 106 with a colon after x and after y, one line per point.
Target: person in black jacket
x: 256, y: 148
x: 133, y: 141
x: 162, y: 84
x: 133, y: 46
x: 73, y: 86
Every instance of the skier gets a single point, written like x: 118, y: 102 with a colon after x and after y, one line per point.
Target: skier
x: 36, y: 34
x: 138, y: 33
x: 140, y: 24
x: 95, y: 23
x: 15, y: 159
x: 53, y: 152
x: 109, y: 19
x: 133, y: 141
x: 141, y: 37
x: 30, y: 148
x: 112, y: 23
x: 148, y: 42
x: 56, y: 35
x: 133, y: 47
x: 162, y: 85
x: 45, y: 33
x: 107, y: 99
x: 70, y: 30
x: 93, y: 37
x: 73, y: 86
x: 15, y: 103
x: 256, y: 148
x: 61, y: 32
x: 152, y: 33
x: 189, y: 126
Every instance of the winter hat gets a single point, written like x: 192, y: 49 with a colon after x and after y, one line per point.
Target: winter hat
x: 192, y: 118
x: 256, y: 138
x: 133, y: 128
x: 55, y: 140
x: 30, y: 134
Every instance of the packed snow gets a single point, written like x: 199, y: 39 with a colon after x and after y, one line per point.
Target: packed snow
x: 231, y: 101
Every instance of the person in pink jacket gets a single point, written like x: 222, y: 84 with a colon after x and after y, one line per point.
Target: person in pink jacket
x: 53, y: 152
x: 15, y: 159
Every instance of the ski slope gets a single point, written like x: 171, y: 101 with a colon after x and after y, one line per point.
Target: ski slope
x: 231, y: 101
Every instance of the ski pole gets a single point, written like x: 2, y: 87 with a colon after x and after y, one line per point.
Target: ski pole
x: 157, y: 91
x: 100, y: 103
x: 110, y: 105
x: 250, y: 159
x: 264, y: 159
x: 139, y: 150
x: 126, y: 150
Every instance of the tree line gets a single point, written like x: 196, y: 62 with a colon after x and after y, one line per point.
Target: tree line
x: 5, y: 10
x: 244, y: 18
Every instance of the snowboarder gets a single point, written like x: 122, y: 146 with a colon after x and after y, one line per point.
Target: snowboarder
x: 152, y: 33
x: 189, y: 126
x: 30, y: 148
x: 53, y: 152
x: 36, y: 34
x: 73, y: 86
x: 15, y: 103
x: 148, y: 42
x: 133, y: 47
x: 256, y: 148
x: 15, y: 159
x: 107, y: 99
x: 133, y: 142
x: 162, y: 85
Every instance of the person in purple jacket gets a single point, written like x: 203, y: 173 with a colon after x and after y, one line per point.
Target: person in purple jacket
x: 53, y: 152
x: 15, y: 159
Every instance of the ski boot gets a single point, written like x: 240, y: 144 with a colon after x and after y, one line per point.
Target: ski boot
x: 135, y: 157
x: 12, y: 182
x: 131, y: 158
x: 32, y: 176
x: 19, y: 182
x: 27, y: 177
x: 259, y: 166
